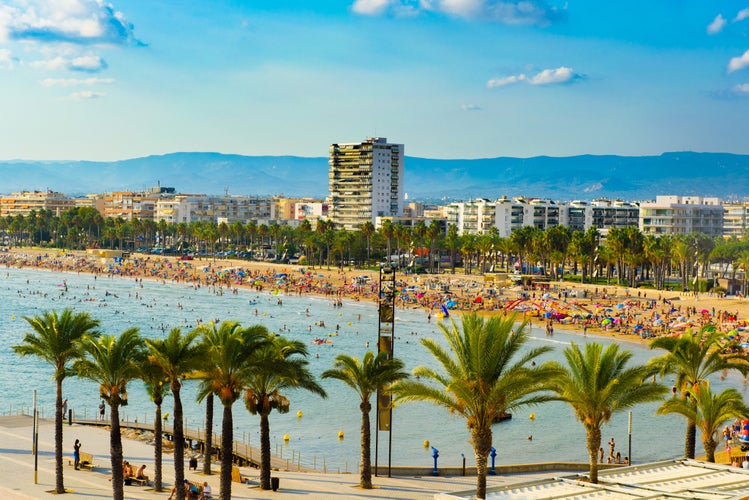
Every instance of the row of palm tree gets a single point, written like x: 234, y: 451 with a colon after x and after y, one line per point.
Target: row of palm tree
x: 625, y: 253
x: 485, y: 369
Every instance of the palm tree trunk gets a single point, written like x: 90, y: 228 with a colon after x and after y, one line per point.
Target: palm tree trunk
x: 264, y: 451
x: 208, y: 454
x: 157, y: 450
x: 710, y: 446
x: 115, y: 450
x: 227, y: 452
x: 594, y: 444
x: 179, y: 445
x: 482, y: 444
x: 365, y: 480
x: 690, y: 441
x: 59, y: 483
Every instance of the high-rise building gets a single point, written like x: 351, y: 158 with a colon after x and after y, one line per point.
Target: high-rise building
x: 366, y: 182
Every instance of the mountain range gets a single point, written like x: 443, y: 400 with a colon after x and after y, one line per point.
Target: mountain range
x: 560, y: 178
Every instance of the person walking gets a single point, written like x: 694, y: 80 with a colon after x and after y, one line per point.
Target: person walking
x: 102, y: 409
x: 76, y: 454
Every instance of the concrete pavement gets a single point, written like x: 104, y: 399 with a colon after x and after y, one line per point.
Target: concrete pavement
x: 17, y: 471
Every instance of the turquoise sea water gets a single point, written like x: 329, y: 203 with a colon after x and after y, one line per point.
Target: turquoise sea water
x: 159, y: 307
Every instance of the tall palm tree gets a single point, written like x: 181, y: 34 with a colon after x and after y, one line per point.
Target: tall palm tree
x: 230, y: 359
x: 693, y: 358
x: 485, y: 374
x: 157, y: 386
x: 281, y: 365
x: 56, y: 339
x: 597, y: 384
x: 113, y: 361
x: 178, y: 356
x: 366, y: 377
x: 708, y: 410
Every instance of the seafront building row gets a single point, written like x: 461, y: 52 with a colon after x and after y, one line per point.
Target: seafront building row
x: 366, y: 186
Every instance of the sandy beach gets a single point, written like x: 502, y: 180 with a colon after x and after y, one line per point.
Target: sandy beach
x: 618, y: 312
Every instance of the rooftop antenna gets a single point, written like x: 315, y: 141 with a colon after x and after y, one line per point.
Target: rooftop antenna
x: 226, y: 190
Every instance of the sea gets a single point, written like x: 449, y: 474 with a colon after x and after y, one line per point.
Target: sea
x: 313, y: 424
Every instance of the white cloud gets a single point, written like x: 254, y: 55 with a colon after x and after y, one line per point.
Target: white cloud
x: 717, y: 25
x: 551, y: 76
x: 470, y: 107
x: 73, y: 21
x: 85, y: 94
x: 6, y: 59
x: 742, y: 88
x: 75, y: 82
x: 559, y: 75
x: 738, y: 63
x: 507, y: 80
x: 532, y: 12
x: 742, y: 14
x: 86, y: 64
x: 370, y: 7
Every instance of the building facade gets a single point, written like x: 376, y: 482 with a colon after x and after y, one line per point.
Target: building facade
x: 682, y: 215
x: 366, y: 182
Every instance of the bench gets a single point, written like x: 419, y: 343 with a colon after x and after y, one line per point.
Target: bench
x: 87, y: 461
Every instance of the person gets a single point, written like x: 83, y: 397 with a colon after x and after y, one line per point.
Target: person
x: 102, y: 408
x: 207, y: 491
x: 600, y: 452
x: 626, y: 461
x: 612, y: 445
x: 618, y: 458
x: 64, y: 408
x: 77, y: 454
x: 193, y: 463
x: 127, y: 473
x: 141, y: 473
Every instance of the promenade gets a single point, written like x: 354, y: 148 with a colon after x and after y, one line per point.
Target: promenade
x: 17, y: 471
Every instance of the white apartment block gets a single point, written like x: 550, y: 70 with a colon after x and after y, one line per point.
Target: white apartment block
x: 602, y: 214
x: 23, y: 202
x: 682, y: 215
x: 735, y: 219
x: 480, y: 215
x: 366, y: 182
x: 197, y: 207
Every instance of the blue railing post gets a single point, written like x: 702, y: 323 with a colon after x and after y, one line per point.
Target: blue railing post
x: 493, y: 454
x: 435, y: 455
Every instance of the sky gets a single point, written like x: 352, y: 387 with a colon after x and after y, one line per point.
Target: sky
x: 110, y: 80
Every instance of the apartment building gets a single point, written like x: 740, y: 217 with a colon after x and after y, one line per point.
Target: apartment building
x: 366, y: 182
x: 682, y: 215
x: 23, y: 202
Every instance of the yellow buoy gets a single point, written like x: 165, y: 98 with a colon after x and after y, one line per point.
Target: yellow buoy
x: 340, y: 434
x: 349, y: 323
x: 13, y: 316
x: 299, y: 414
x: 533, y: 416
x: 426, y: 443
x: 286, y: 437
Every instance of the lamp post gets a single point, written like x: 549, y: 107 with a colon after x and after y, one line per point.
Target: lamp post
x: 629, y: 431
x: 385, y: 343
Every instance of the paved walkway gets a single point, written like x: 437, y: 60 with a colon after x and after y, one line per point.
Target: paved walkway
x: 17, y: 471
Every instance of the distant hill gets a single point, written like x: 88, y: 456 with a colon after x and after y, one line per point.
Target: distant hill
x: 568, y: 178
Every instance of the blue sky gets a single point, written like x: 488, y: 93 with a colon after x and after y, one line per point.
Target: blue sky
x: 115, y: 79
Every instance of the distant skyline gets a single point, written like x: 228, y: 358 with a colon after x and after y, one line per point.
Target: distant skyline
x: 110, y: 80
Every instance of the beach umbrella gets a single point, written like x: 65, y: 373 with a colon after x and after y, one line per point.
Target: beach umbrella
x: 606, y: 321
x: 704, y: 311
x: 478, y: 300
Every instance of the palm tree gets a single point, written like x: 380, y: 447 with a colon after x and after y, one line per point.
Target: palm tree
x: 56, y: 339
x: 485, y: 375
x: 366, y: 377
x: 693, y: 358
x: 280, y: 366
x: 230, y: 360
x: 178, y: 356
x: 708, y: 411
x: 113, y: 361
x: 597, y: 384
x: 157, y: 386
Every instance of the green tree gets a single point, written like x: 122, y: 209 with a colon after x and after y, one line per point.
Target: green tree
x: 485, y: 374
x: 708, y: 411
x: 230, y: 356
x: 112, y: 362
x: 693, y: 358
x: 597, y: 384
x: 178, y: 356
x: 366, y: 377
x: 280, y: 365
x: 56, y: 339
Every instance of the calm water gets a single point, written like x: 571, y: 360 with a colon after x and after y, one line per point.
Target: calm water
x: 159, y: 307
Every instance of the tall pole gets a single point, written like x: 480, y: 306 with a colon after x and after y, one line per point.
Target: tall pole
x: 35, y: 441
x: 629, y: 431
x: 385, y: 343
